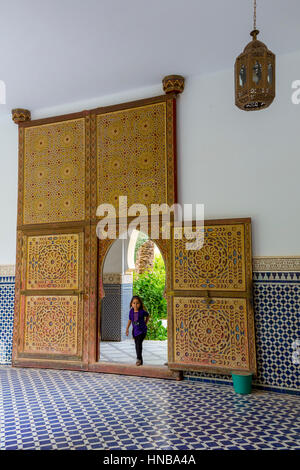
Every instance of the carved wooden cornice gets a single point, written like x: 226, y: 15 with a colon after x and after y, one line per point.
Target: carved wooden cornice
x: 20, y: 115
x: 173, y: 84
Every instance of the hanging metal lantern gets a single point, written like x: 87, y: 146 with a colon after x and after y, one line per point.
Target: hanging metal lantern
x: 255, y: 74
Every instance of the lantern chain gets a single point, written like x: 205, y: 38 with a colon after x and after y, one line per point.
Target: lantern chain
x: 254, y: 16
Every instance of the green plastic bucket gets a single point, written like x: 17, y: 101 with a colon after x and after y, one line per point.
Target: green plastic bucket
x: 242, y: 382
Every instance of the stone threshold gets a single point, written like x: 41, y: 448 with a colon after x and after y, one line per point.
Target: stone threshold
x: 159, y: 372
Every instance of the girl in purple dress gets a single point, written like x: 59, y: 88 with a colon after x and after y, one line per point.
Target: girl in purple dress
x: 139, y: 318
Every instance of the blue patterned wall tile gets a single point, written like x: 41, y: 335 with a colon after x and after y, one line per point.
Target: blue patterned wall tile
x: 115, y: 311
x: 7, y: 293
x: 110, y: 313
x: 277, y: 310
x: 276, y: 298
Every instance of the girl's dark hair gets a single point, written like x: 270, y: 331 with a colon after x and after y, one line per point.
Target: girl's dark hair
x: 140, y: 301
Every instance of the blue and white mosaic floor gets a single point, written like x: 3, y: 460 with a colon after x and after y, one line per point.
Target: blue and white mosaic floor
x: 46, y: 409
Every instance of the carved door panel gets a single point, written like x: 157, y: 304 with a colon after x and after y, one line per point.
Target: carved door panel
x: 211, y: 301
x: 133, y: 148
x: 52, y: 268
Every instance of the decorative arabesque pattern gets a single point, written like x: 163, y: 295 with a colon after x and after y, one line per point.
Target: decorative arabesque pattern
x: 54, y: 172
x: 132, y: 156
x: 213, y: 334
x: 52, y: 325
x: 219, y: 264
x: 53, y: 261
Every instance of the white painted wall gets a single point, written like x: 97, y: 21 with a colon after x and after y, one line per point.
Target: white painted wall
x: 116, y: 259
x: 8, y: 189
x: 239, y: 164
x: 244, y: 164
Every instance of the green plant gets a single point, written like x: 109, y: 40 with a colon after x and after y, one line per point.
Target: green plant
x: 150, y: 287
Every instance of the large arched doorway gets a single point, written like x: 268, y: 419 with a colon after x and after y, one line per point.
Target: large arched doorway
x: 133, y: 266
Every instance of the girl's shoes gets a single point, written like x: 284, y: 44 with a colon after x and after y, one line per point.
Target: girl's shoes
x: 139, y: 363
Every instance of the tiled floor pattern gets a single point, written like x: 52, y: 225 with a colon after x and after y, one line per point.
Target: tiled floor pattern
x: 46, y: 409
x: 154, y: 352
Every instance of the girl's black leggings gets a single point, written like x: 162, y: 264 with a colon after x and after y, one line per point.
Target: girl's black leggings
x: 139, y: 345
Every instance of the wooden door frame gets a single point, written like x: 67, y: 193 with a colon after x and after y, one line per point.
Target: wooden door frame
x: 91, y: 247
x: 246, y: 294
x: 97, y: 264
x: 166, y: 248
x: 18, y: 358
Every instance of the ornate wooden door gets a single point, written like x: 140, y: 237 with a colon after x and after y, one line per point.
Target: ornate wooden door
x: 211, y: 300
x: 133, y: 148
x: 53, y: 243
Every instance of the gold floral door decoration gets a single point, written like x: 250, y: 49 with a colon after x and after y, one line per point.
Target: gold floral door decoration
x: 213, y: 324
x: 52, y: 249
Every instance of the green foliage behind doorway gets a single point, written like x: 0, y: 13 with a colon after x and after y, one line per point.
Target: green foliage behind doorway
x: 150, y: 287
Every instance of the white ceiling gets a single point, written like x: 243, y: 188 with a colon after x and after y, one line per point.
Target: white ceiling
x: 59, y: 51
